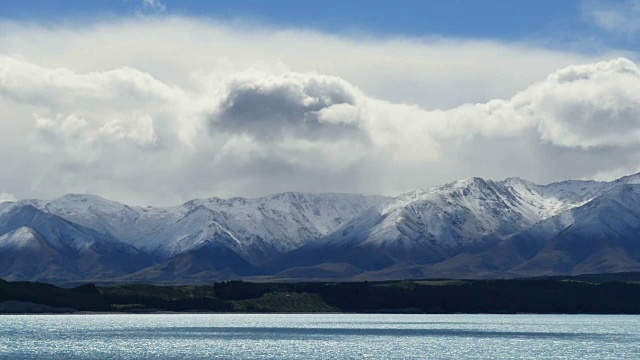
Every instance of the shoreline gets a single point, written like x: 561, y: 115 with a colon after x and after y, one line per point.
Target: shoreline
x: 498, y: 297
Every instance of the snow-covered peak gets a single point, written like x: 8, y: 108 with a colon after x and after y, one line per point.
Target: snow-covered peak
x: 76, y: 205
x: 267, y: 225
x: 84, y: 202
x: 516, y: 182
x: 472, y: 182
x: 468, y: 209
x: 454, y: 188
x: 441, y: 217
x: 23, y: 237
x: 629, y: 179
x: 627, y: 195
x: 263, y: 227
x: 5, y: 206
x: 280, y: 222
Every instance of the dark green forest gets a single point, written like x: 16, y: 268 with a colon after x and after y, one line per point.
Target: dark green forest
x: 606, y: 294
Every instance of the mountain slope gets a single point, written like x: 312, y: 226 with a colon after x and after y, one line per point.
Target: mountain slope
x: 601, y: 236
x: 467, y: 228
x: 210, y: 262
x: 604, y: 236
x: 24, y: 254
x: 422, y: 227
x: 36, y: 245
x: 95, y: 238
x: 257, y: 229
x: 434, y: 225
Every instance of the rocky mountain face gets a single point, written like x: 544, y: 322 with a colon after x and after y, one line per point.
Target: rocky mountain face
x: 471, y: 228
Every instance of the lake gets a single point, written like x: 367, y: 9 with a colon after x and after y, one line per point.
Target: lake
x: 319, y: 336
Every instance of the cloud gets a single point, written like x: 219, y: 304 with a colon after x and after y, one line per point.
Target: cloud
x: 26, y: 82
x: 613, y: 174
x: 619, y: 17
x: 245, y: 116
x: 287, y: 105
x: 77, y: 115
x: 589, y: 106
x: 148, y: 6
x: 429, y: 72
x: 6, y: 197
x: 154, y: 5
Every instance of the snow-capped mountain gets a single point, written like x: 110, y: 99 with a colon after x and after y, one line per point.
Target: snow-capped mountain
x: 466, y: 228
x: 38, y: 245
x: 601, y: 236
x: 254, y: 230
x: 432, y: 225
x: 556, y: 198
x: 421, y: 226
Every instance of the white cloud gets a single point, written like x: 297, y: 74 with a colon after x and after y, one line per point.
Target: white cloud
x: 154, y: 5
x: 239, y: 113
x: 148, y: 6
x: 590, y: 105
x: 6, y: 197
x: 613, y: 174
x: 620, y: 17
x: 431, y: 72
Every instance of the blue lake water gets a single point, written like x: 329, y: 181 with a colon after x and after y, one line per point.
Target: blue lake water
x: 323, y: 336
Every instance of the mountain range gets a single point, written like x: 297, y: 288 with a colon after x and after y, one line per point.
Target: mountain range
x: 473, y: 228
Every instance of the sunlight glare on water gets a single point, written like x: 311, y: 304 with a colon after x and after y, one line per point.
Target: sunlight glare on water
x: 319, y: 336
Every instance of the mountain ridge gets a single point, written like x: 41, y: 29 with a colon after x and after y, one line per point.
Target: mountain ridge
x: 466, y: 228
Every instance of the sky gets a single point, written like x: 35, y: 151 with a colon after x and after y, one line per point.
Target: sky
x: 153, y: 102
